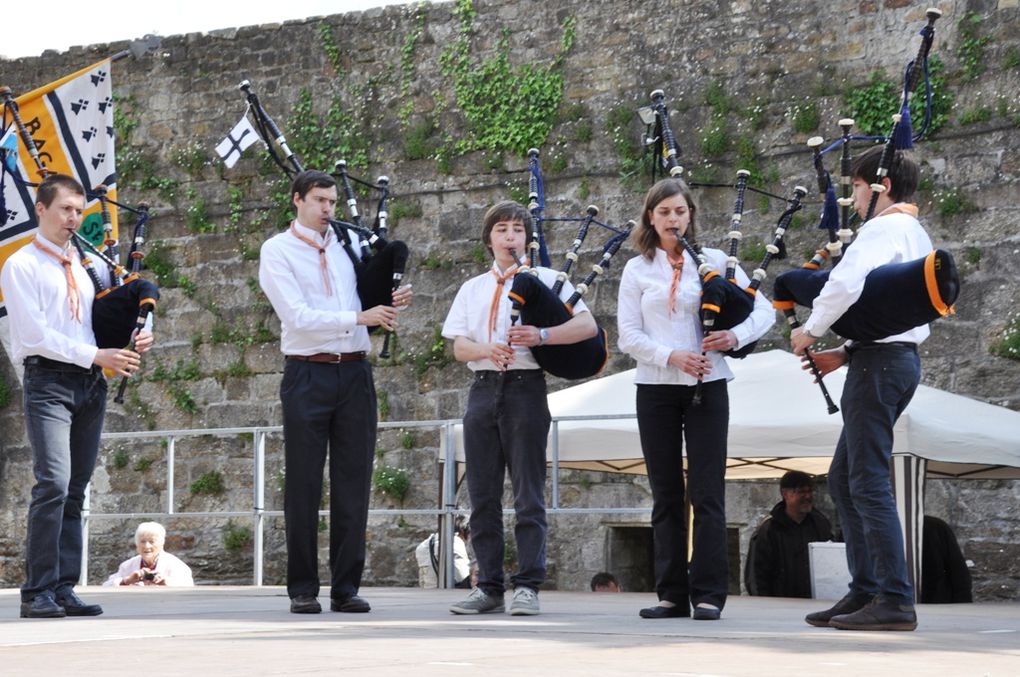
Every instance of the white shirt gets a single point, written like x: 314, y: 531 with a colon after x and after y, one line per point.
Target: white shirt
x: 175, y: 572
x: 469, y: 315
x: 649, y: 333
x: 290, y: 273
x: 35, y: 293
x: 893, y: 238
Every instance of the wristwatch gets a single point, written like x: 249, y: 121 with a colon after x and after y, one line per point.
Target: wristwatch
x: 543, y: 336
x: 808, y: 333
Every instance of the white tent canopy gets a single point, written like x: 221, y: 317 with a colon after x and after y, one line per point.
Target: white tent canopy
x: 778, y: 422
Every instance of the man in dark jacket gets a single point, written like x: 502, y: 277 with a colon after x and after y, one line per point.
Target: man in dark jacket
x: 777, y: 561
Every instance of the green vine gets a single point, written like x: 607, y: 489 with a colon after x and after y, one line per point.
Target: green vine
x: 971, y: 50
x: 873, y: 105
x: 328, y: 41
x: 392, y: 482
x: 507, y: 107
x: 407, y: 62
x: 1009, y: 345
x: 320, y: 142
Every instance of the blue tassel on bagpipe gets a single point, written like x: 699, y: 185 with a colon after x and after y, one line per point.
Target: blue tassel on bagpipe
x: 830, y: 210
x: 903, y: 133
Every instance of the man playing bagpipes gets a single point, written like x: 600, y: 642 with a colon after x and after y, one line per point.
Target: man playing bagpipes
x: 327, y: 393
x: 49, y: 299
x: 883, y: 375
x: 507, y: 419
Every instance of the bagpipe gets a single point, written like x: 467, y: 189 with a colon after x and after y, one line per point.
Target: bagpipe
x: 123, y: 300
x: 379, y: 264
x: 896, y: 297
x: 533, y: 303
x: 724, y: 303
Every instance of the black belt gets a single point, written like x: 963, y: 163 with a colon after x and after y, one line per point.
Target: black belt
x: 57, y: 365
x: 854, y: 346
x: 329, y: 358
x: 508, y: 375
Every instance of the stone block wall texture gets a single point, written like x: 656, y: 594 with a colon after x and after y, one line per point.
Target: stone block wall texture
x: 745, y: 80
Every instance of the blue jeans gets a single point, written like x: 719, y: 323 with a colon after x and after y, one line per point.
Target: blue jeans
x: 64, y: 409
x: 505, y: 427
x: 880, y: 383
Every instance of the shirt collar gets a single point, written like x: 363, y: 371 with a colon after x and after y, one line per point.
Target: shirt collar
x: 66, y: 251
x: 312, y: 234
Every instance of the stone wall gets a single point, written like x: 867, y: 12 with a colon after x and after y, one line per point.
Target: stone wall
x: 757, y: 66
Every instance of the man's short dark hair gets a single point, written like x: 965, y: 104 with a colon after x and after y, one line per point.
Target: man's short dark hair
x: 603, y: 579
x: 795, y: 479
x: 309, y: 179
x: 904, y: 172
x: 504, y: 211
x: 52, y: 184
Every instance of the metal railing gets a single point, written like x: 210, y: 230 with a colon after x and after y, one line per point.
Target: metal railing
x: 258, y: 512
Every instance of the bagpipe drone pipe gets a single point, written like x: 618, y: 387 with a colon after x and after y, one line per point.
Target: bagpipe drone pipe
x: 533, y: 303
x: 379, y: 264
x: 724, y: 302
x: 896, y: 297
x: 123, y: 300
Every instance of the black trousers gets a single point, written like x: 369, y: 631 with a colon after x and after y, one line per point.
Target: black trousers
x: 327, y: 407
x: 505, y: 428
x: 666, y: 419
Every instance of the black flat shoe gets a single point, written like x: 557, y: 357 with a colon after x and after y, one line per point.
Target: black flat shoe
x: 664, y: 612
x: 707, y: 613
x: 350, y: 605
x: 305, y: 604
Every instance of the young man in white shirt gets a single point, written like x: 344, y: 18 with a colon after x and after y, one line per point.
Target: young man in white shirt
x: 327, y: 393
x: 507, y: 419
x: 49, y: 298
x: 881, y: 380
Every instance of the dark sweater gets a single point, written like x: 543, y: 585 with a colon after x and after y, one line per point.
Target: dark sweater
x: 777, y: 560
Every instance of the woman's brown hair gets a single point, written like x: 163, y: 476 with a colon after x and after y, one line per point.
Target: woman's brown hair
x: 645, y: 239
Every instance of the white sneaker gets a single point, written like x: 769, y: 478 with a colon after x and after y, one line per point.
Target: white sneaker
x: 525, y: 602
x: 480, y: 603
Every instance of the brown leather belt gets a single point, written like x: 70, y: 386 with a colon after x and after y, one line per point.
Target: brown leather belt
x: 329, y: 358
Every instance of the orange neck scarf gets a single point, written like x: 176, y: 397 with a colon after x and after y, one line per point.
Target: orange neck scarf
x: 322, y: 254
x: 678, y: 268
x: 901, y: 208
x: 498, y: 294
x: 72, y: 287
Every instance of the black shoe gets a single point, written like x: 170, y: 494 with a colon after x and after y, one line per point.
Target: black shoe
x: 707, y: 612
x: 305, y: 604
x: 880, y: 614
x: 850, y: 603
x: 350, y: 605
x: 657, y: 611
x: 42, y: 606
x: 73, y: 606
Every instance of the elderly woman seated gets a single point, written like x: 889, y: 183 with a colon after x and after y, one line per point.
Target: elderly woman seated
x: 151, y: 566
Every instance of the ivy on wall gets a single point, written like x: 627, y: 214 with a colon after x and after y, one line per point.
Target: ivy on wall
x: 507, y: 107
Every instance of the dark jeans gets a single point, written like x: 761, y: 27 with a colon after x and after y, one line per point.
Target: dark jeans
x: 327, y: 406
x: 505, y: 427
x: 879, y: 385
x: 666, y: 419
x: 64, y: 408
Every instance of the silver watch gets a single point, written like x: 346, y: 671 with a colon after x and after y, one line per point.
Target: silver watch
x: 543, y: 336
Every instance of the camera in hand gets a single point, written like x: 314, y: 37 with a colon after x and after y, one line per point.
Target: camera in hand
x: 148, y: 576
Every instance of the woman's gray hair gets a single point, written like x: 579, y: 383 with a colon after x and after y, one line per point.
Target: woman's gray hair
x: 154, y: 528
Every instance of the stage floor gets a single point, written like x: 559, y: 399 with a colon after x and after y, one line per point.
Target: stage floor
x: 213, y: 630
